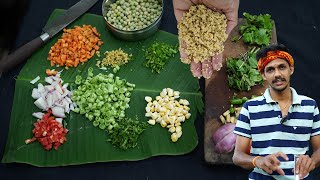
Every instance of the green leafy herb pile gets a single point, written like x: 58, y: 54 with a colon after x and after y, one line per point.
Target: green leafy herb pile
x: 126, y: 133
x: 158, y: 54
x: 256, y: 30
x: 242, y: 71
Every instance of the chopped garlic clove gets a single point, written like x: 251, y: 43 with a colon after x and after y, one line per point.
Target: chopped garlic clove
x: 170, y: 92
x: 174, y: 137
x: 179, y: 134
x: 148, y: 109
x: 148, y: 99
x: 154, y: 115
x: 152, y: 122
x: 185, y: 102
x: 148, y: 114
x: 172, y: 129
x: 163, y: 123
x: 188, y: 115
x: 178, y: 129
x: 176, y: 94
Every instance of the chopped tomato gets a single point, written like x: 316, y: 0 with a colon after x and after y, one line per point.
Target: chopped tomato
x: 48, y: 132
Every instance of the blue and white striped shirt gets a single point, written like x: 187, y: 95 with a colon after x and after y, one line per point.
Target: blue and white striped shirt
x: 259, y: 120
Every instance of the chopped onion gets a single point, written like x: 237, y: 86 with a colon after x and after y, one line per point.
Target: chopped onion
x: 49, y: 80
x: 54, y: 83
x: 71, y: 107
x: 49, y: 88
x: 58, y: 88
x: 44, y: 94
x: 58, y: 112
x: 65, y: 86
x: 41, y: 103
x: 35, y: 93
x: 50, y: 100
x: 59, y: 120
x: 68, y: 100
x: 35, y: 80
x: 55, y: 78
x: 54, y: 96
x: 41, y: 88
x: 59, y: 104
x: 38, y: 115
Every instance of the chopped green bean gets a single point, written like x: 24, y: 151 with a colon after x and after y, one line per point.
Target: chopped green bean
x: 98, y: 97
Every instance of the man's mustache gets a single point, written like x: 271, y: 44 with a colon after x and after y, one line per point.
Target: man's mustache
x: 279, y: 79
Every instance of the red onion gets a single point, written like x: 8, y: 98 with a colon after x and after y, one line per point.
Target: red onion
x: 224, y: 139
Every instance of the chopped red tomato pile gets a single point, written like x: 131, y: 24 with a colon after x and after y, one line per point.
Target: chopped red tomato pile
x: 48, y: 132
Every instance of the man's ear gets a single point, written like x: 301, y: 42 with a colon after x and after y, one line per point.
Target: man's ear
x: 263, y: 76
x: 291, y: 69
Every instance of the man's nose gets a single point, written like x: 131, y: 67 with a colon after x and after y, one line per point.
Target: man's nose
x: 277, y: 73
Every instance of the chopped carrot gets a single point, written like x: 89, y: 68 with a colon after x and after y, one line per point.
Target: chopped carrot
x: 76, y: 45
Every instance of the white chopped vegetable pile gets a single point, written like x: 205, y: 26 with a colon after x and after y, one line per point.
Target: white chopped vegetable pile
x: 55, y: 96
x: 168, y: 112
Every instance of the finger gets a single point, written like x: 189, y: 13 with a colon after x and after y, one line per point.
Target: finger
x: 306, y: 168
x: 312, y: 165
x: 299, y: 165
x: 216, y: 61
x: 274, y: 160
x: 207, y: 69
x: 232, y: 16
x: 183, y: 56
x: 268, y: 170
x: 280, y: 171
x: 283, y: 155
x: 196, y: 69
x: 270, y: 166
x: 180, y: 7
x: 265, y: 167
x: 231, y: 23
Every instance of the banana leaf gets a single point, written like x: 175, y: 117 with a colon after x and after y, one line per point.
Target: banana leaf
x: 86, y: 143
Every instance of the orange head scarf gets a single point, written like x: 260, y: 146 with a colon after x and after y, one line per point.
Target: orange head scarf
x: 272, y: 55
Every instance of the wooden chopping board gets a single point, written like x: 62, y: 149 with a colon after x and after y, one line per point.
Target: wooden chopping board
x: 218, y: 94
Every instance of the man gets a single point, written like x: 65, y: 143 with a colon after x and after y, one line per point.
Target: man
x: 229, y: 8
x: 279, y: 124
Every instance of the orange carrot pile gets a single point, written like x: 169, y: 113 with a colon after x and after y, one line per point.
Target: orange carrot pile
x: 76, y: 46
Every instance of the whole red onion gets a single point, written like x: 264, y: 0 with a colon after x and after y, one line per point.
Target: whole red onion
x: 224, y: 139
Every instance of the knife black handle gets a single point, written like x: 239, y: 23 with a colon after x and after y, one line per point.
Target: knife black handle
x: 20, y: 55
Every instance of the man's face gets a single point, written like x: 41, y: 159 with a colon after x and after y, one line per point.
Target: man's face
x: 278, y: 73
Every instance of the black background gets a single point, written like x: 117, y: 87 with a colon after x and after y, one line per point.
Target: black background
x: 298, y: 27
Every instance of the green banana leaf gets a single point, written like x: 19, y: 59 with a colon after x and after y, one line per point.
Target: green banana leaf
x: 86, y: 143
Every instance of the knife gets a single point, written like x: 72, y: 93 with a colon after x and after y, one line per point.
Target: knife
x: 25, y: 51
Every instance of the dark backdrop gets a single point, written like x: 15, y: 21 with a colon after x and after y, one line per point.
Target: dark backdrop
x: 298, y: 27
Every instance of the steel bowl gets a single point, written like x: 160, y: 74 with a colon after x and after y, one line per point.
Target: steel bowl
x: 131, y: 35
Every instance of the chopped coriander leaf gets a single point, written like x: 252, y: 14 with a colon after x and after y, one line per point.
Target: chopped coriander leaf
x: 126, y: 133
x: 158, y: 54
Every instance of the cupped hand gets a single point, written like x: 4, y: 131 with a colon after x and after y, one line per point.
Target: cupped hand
x: 229, y: 8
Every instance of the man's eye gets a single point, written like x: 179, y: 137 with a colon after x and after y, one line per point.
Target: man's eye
x: 269, y: 70
x: 282, y: 67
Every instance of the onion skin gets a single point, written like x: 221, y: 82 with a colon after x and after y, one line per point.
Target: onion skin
x: 224, y: 139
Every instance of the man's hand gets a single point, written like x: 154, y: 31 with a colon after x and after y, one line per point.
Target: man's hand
x: 229, y: 8
x: 271, y: 163
x: 304, y: 165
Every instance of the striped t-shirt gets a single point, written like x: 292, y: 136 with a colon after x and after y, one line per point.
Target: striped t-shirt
x: 259, y: 120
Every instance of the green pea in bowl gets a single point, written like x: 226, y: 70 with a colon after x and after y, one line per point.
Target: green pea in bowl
x: 132, y: 20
